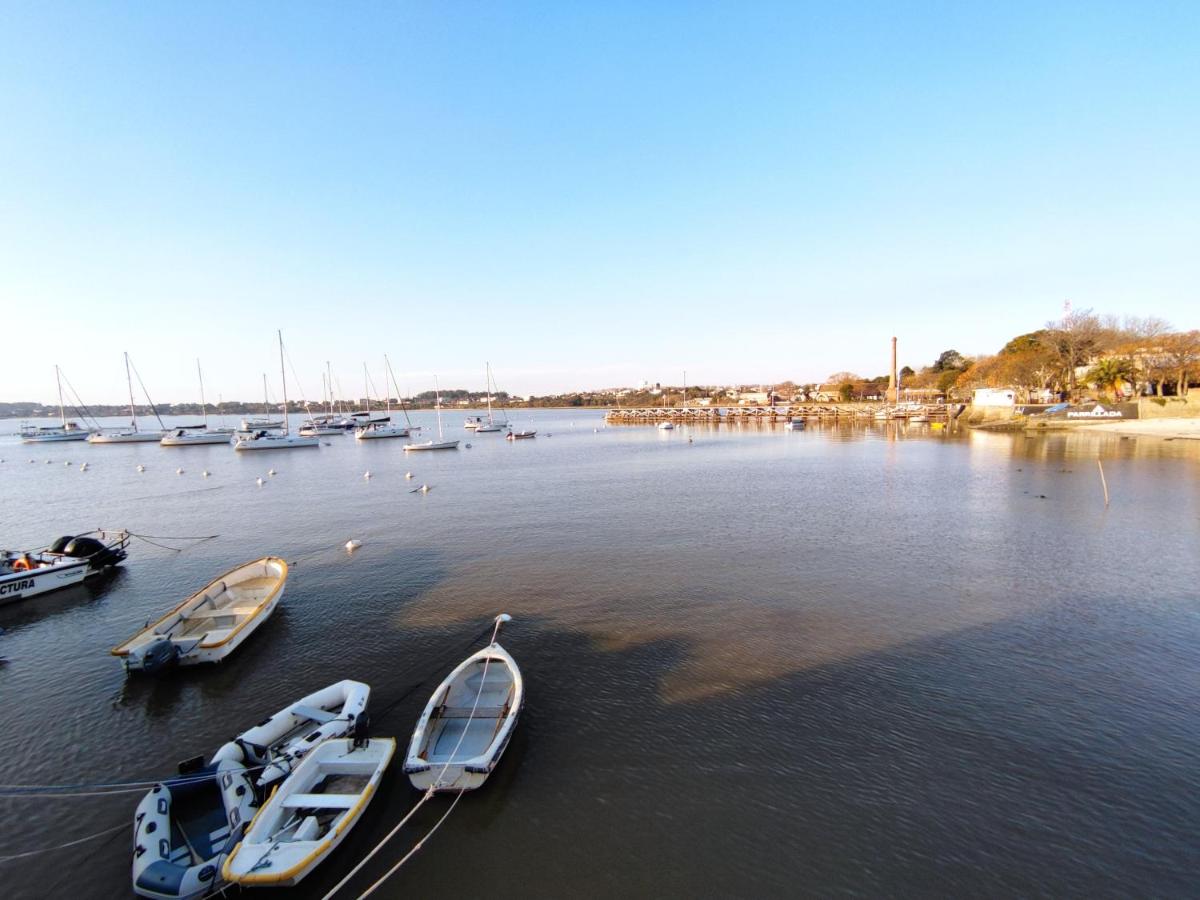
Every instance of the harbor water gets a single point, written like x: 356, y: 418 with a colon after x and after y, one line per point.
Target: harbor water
x: 852, y: 660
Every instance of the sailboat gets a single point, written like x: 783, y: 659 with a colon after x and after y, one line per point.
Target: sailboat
x: 492, y: 424
x: 130, y: 435
x: 440, y: 443
x: 258, y: 423
x: 327, y: 424
x: 381, y: 428
x: 268, y: 440
x: 188, y: 435
x: 45, y: 434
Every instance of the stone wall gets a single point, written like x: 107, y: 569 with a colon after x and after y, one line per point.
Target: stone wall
x: 1170, y: 407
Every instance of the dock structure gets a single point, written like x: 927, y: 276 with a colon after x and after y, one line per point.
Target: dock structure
x: 735, y: 415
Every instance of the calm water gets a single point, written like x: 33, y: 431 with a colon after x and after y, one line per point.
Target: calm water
x: 844, y: 661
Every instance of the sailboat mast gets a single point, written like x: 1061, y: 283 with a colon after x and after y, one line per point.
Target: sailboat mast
x: 367, y: 388
x: 487, y: 374
x: 387, y: 391
x: 283, y: 378
x: 329, y: 382
x: 437, y: 396
x: 62, y: 410
x: 129, y: 381
x: 266, y: 400
x: 203, y: 405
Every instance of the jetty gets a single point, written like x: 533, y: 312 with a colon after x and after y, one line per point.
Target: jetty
x: 737, y: 415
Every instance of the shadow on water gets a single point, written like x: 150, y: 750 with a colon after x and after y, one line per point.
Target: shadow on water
x: 24, y: 613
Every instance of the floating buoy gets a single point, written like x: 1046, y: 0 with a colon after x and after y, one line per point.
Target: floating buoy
x: 352, y: 545
x: 258, y: 481
x: 425, y: 489
x: 179, y: 471
x: 33, y: 460
x: 67, y: 463
x: 141, y: 468
x: 367, y: 475
x: 83, y: 467
x: 407, y: 475
x: 205, y: 473
x: 47, y: 462
x: 468, y: 446
x: 271, y: 472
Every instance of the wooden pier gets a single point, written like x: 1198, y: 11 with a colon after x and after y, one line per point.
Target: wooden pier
x: 737, y: 415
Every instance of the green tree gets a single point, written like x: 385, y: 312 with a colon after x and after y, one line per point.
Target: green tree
x: 1111, y: 373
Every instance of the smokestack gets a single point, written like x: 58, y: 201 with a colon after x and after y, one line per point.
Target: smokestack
x: 892, y: 393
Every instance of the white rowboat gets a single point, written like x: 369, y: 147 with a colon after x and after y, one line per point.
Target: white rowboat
x: 467, y: 723
x: 310, y: 814
x: 211, y: 623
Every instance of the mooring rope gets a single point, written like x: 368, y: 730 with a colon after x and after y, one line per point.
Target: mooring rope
x: 150, y: 538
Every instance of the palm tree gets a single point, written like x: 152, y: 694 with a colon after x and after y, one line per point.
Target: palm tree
x: 1111, y: 373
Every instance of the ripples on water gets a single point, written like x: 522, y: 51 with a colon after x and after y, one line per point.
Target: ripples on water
x: 847, y: 660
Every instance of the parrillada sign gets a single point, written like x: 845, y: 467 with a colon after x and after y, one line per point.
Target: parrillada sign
x: 1096, y: 412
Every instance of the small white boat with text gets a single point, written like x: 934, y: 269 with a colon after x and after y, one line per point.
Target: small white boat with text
x: 311, y: 813
x: 68, y: 561
x: 468, y: 721
x: 132, y: 434
x: 211, y: 623
x: 272, y: 440
x: 47, y: 434
x: 186, y: 826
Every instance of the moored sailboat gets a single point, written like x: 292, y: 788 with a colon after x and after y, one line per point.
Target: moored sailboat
x: 46, y: 434
x: 189, y: 435
x: 269, y: 440
x: 132, y: 434
x: 441, y: 443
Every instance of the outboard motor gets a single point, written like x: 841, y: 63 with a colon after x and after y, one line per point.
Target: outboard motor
x: 60, y: 545
x: 152, y: 658
x: 82, y: 547
x: 360, y: 731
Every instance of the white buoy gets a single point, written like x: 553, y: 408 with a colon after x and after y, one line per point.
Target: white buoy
x: 47, y: 462
x: 367, y: 475
x: 205, y: 473
x: 271, y: 472
x: 424, y: 489
x: 141, y: 468
x: 83, y: 467
x: 258, y: 481
x: 67, y: 463
x: 179, y: 471
x: 352, y: 545
x: 407, y: 475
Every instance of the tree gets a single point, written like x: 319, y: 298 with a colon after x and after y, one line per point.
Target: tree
x: 843, y: 378
x: 1076, y: 338
x: 1183, y: 352
x: 846, y: 391
x: 949, y: 360
x: 1111, y: 373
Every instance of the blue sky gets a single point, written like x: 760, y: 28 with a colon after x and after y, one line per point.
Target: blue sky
x: 584, y: 194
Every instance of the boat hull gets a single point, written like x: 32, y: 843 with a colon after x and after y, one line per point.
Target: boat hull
x: 62, y: 571
x: 373, y: 433
x: 275, y: 851
x: 23, y: 585
x: 212, y: 623
x: 129, y: 437
x: 188, y: 440
x: 433, y: 445
x: 276, y: 442
x: 54, y: 437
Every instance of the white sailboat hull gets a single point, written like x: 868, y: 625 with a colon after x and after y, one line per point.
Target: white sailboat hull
x: 53, y: 437
x: 189, y: 438
x: 126, y: 437
x: 433, y: 445
x: 276, y: 442
x: 376, y: 432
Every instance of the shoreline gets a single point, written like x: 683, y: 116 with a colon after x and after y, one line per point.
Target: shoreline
x: 1168, y: 428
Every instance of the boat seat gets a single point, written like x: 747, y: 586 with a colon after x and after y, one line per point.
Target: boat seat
x: 220, y: 613
x: 311, y: 712
x: 320, y: 801
x: 464, y: 712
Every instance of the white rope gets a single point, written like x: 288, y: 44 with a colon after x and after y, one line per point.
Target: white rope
x: 427, y: 796
x: 417, y: 846
x: 90, y: 837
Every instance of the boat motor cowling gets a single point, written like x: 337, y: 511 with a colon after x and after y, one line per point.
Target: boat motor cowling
x: 60, y: 545
x: 82, y: 547
x: 154, y: 657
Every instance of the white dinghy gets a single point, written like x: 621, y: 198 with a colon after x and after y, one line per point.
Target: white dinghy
x: 311, y: 813
x: 184, y: 827
x: 468, y: 721
x: 212, y: 623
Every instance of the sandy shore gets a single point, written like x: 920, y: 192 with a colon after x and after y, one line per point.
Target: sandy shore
x: 1187, y: 429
